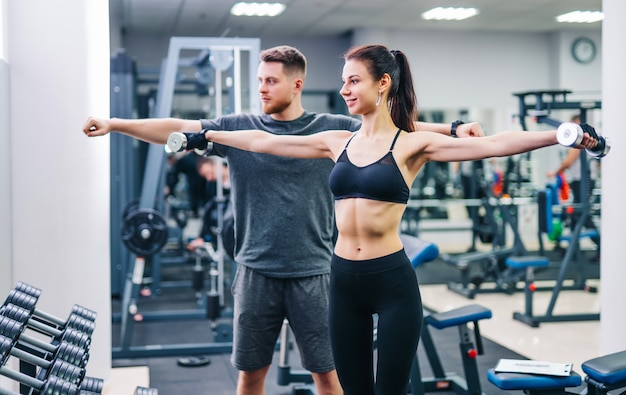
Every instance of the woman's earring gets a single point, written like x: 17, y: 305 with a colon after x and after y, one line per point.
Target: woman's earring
x: 378, y: 99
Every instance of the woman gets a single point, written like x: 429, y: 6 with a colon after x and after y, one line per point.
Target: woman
x: 375, y: 166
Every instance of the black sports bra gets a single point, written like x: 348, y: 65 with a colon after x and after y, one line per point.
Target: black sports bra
x: 381, y: 180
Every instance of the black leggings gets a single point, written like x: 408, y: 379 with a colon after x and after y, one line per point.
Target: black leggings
x: 358, y: 289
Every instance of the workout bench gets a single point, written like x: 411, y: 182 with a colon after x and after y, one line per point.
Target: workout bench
x: 545, y: 201
x: 528, y: 264
x: 491, y: 262
x: 442, y: 381
x: 603, y: 374
x: 420, y: 252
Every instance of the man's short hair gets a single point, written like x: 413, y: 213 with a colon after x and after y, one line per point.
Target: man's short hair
x: 292, y: 59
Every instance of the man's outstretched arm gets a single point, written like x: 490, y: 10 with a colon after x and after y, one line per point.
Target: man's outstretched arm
x: 151, y: 130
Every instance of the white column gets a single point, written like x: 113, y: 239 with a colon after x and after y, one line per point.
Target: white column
x: 613, y: 267
x: 5, y: 161
x: 58, y: 70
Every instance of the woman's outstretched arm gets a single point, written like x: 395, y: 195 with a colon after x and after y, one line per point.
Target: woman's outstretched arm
x: 439, y: 148
x: 317, y: 145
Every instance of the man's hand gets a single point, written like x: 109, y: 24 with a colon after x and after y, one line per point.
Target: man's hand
x: 470, y: 129
x: 96, y: 127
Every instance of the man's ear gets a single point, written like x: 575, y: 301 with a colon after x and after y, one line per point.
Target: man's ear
x: 298, y: 84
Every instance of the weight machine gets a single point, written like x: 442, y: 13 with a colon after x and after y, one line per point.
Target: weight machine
x: 540, y: 104
x: 501, y: 214
x: 145, y: 229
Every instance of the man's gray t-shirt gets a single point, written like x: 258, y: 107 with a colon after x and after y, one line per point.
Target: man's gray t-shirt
x: 283, y: 207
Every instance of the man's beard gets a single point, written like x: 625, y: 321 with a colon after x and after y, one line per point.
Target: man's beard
x: 276, y: 107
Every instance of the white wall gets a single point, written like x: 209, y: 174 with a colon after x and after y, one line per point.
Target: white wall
x: 479, y: 69
x: 5, y: 163
x: 613, y: 270
x: 5, y: 183
x: 5, y: 172
x: 58, y: 180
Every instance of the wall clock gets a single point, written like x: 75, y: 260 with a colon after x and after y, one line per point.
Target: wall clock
x: 583, y: 50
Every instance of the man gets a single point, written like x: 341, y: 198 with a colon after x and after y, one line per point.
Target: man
x: 283, y: 213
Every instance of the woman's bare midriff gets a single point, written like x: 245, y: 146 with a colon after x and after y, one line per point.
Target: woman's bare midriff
x: 367, y: 228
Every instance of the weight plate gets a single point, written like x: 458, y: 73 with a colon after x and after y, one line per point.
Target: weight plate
x: 144, y: 231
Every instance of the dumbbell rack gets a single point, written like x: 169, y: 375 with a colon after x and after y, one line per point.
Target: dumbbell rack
x: 52, y: 353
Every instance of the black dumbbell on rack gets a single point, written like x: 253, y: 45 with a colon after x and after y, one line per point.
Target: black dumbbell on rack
x: 56, y: 367
x: 63, y: 351
x: 68, y: 334
x: 61, y: 361
x: 64, y: 361
x: 80, y: 318
x: 91, y: 386
x: 50, y: 385
x: 26, y: 296
x: 570, y: 134
x: 146, y: 391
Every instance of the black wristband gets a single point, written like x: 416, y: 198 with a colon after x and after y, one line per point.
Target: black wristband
x: 196, y: 140
x: 455, y: 124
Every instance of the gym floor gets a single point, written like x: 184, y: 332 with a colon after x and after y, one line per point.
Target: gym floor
x: 564, y: 342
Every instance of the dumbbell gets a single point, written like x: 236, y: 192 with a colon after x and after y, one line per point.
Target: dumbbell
x: 91, y: 385
x: 179, y: 141
x: 63, y: 351
x: 27, y: 289
x: 146, y: 391
x: 68, y: 334
x: 570, y: 134
x: 57, y: 368
x: 80, y: 318
x: 76, y: 309
x: 50, y: 385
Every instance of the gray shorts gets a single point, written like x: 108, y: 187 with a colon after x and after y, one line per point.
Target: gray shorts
x: 260, y: 305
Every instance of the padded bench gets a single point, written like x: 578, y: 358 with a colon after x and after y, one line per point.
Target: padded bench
x: 533, y: 384
x: 605, y: 373
x: 441, y: 380
x: 527, y: 263
x: 418, y: 250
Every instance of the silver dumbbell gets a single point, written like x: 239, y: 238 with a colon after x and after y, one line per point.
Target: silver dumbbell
x: 179, y: 141
x: 570, y: 134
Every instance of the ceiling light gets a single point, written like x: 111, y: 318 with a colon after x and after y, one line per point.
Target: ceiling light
x: 449, y: 13
x: 581, y: 17
x: 257, y: 9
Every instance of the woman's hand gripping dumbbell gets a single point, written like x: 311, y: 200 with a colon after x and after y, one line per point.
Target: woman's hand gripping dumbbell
x: 571, y: 134
x: 180, y: 141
